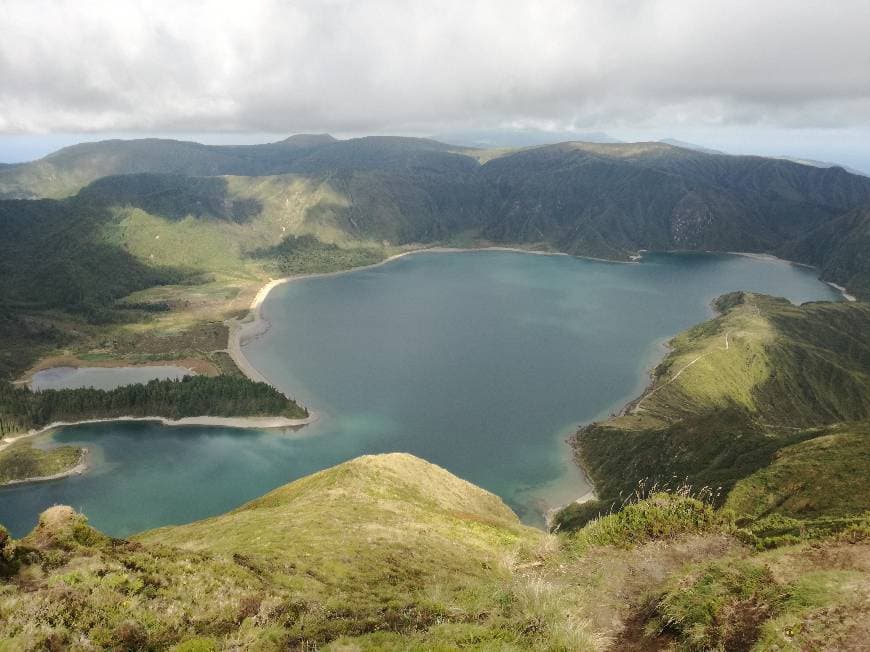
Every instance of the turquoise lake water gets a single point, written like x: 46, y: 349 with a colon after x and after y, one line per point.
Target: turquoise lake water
x: 481, y: 362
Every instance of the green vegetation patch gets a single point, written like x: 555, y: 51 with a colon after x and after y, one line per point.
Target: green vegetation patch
x: 791, y: 599
x: 824, y: 476
x: 662, y: 516
x: 775, y: 530
x: 720, y: 606
x: 22, y: 461
x: 306, y: 254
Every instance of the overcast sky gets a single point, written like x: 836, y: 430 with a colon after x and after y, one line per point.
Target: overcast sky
x: 788, y: 77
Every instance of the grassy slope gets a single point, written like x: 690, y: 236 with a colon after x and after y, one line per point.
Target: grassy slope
x: 714, y: 415
x: 823, y: 476
x: 392, y: 553
x: 411, y: 519
x: 379, y: 543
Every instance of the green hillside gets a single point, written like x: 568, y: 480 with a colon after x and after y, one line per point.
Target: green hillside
x: 392, y: 553
x: 609, y: 200
x: 66, y: 171
x: 822, y: 476
x: 148, y: 266
x: 606, y: 200
x: 839, y: 248
x: 158, y: 241
x: 737, y: 394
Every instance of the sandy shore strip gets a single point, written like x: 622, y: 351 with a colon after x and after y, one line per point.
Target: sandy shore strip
x: 846, y: 295
x: 768, y: 257
x: 255, y: 324
x: 771, y: 257
x: 78, y: 469
x: 249, y: 423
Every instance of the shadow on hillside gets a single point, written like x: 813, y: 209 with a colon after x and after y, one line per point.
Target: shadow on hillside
x: 173, y: 197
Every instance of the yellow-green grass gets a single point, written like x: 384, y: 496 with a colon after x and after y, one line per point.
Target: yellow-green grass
x: 713, y: 365
x: 661, y: 516
x: 411, y: 519
x: 22, y: 461
x: 824, y: 476
x: 379, y: 549
x: 195, y: 244
x: 390, y: 552
x: 288, y: 201
x: 774, y: 350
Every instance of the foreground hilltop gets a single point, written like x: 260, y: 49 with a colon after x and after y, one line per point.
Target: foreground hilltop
x: 391, y: 552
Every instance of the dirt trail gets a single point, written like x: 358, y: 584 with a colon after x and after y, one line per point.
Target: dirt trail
x: 677, y: 375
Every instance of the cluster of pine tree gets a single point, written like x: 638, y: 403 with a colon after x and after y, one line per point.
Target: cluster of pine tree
x: 222, y: 396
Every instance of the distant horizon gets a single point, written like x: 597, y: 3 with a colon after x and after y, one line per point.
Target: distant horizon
x: 777, y: 78
x: 822, y: 147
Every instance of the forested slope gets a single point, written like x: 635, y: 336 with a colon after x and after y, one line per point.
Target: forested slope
x: 839, y: 248
x: 606, y: 200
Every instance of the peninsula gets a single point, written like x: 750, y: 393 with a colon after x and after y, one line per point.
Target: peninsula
x: 226, y: 401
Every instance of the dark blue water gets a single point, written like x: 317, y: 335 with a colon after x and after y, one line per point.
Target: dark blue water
x: 480, y: 362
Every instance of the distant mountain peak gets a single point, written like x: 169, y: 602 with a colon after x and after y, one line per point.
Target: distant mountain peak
x: 308, y: 140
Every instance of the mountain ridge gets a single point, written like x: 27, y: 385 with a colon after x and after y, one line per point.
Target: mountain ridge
x: 599, y: 199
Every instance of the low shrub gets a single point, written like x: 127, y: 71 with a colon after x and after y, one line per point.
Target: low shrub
x: 662, y: 516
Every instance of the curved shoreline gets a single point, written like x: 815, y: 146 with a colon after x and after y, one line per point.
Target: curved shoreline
x: 254, y: 325
x: 251, y: 423
x: 769, y: 257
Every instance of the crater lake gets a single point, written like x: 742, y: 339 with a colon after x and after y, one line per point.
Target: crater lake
x: 482, y: 362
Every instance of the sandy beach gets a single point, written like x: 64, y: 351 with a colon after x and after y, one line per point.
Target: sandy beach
x: 846, y: 295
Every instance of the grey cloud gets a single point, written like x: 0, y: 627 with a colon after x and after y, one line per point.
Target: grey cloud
x: 270, y: 65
